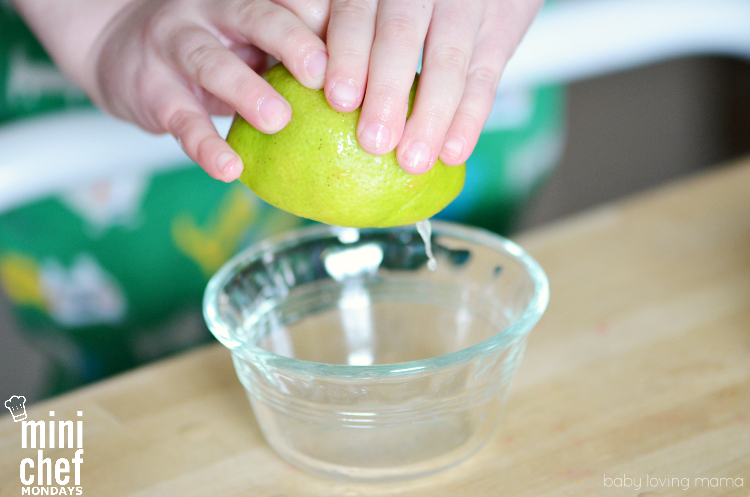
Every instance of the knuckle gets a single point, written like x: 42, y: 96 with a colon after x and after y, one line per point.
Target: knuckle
x: 317, y: 9
x: 296, y: 35
x: 185, y: 126
x: 209, y: 66
x: 484, y: 79
x: 451, y: 58
x: 245, y: 98
x: 352, y: 9
x: 248, y: 12
x: 153, y: 117
x: 470, y: 121
x: 197, y: 58
x: 387, y: 94
x: 203, y: 149
x: 182, y: 123
x: 204, y: 61
x: 146, y: 105
x: 400, y: 30
x: 251, y: 16
x: 176, y: 121
x: 383, y: 106
x: 430, y: 122
x: 438, y: 117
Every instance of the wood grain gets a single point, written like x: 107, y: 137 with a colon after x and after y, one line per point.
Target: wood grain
x: 640, y: 368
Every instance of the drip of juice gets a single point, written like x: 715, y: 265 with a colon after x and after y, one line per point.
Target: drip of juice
x: 424, y: 228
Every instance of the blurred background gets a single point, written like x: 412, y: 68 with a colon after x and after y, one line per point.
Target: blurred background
x: 108, y: 235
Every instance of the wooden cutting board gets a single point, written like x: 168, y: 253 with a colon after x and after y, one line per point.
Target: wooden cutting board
x: 636, y: 382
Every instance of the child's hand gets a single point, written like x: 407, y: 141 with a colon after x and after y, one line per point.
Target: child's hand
x: 168, y: 64
x: 374, y: 49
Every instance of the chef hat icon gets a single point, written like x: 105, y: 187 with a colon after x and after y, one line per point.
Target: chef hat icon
x: 17, y: 407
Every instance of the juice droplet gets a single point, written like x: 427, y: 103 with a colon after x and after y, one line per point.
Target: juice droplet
x: 424, y: 228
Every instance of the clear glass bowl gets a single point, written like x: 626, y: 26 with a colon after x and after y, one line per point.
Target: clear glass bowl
x: 363, y: 364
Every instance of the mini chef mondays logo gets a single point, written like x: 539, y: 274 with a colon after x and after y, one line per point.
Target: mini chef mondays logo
x: 58, y: 470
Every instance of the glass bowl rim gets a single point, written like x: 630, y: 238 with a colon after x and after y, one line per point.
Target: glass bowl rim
x: 531, y: 314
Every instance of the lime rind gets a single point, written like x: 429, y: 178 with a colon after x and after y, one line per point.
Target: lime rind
x: 315, y: 168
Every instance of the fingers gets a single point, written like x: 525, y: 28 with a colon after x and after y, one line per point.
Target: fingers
x: 203, y: 59
x: 280, y: 33
x: 467, y: 46
x: 214, y: 73
x: 475, y: 106
x: 448, y: 50
x: 166, y: 65
x: 314, y: 13
x: 180, y: 113
x: 400, y: 32
x: 350, y: 36
x: 501, y: 30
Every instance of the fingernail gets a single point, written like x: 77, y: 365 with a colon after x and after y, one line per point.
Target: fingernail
x: 228, y: 163
x: 272, y: 109
x: 417, y: 156
x: 376, y: 136
x: 344, y: 94
x: 453, y: 148
x: 316, y: 64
